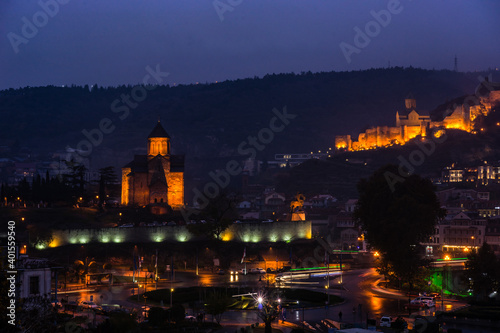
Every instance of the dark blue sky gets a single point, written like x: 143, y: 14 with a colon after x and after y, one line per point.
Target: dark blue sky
x: 112, y: 42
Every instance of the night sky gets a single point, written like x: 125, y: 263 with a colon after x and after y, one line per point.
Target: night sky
x: 112, y: 42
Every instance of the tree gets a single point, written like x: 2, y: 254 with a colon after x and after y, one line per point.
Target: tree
x: 82, y: 268
x: 156, y: 316
x: 268, y: 314
x: 216, y: 305
x: 482, y: 271
x: 107, y: 177
x: 75, y: 178
x: 397, y: 217
x: 219, y: 214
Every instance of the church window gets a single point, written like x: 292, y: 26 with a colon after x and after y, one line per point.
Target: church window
x: 156, y: 200
x: 161, y: 200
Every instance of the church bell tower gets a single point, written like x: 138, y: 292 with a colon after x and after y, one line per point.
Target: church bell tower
x: 158, y: 142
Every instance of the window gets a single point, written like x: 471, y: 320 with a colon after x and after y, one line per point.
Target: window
x: 34, y: 285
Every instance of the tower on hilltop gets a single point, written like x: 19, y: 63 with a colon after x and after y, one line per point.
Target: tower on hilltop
x: 410, y: 102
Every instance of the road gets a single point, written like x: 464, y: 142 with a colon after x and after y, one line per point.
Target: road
x: 363, y: 298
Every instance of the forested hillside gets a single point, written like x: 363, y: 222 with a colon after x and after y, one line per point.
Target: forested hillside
x: 209, y: 121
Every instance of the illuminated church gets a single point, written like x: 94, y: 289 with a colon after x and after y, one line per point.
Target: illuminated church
x: 155, y: 179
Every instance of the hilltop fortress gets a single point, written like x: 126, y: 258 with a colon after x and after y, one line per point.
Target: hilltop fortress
x: 410, y: 123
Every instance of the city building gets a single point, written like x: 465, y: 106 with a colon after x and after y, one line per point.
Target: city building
x: 34, y: 276
x: 461, y: 233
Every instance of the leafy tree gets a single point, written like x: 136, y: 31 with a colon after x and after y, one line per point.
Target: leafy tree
x: 156, y: 316
x: 268, y: 314
x: 216, y: 305
x: 219, y: 214
x: 178, y: 313
x: 397, y: 217
x: 36, y: 314
x: 483, y: 272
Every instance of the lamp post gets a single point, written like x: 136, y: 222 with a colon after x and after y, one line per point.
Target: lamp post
x: 171, y: 292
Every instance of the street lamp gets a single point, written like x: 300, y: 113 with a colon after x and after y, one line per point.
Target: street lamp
x: 171, y: 292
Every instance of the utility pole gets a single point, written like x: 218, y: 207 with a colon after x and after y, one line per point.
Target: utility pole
x: 196, y: 261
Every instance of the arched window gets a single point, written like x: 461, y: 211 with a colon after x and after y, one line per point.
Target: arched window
x: 161, y: 200
x: 156, y: 200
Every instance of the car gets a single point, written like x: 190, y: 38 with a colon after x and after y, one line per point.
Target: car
x: 435, y: 295
x: 190, y: 318
x: 423, y: 301
x: 385, y: 321
x: 244, y: 271
x: 88, y: 305
x: 71, y: 305
x: 56, y: 304
x: 284, y: 269
x: 171, y: 223
x: 260, y: 271
x: 267, y: 221
x: 221, y: 272
x: 126, y: 226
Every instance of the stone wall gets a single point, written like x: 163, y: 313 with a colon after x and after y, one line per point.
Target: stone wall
x: 239, y: 232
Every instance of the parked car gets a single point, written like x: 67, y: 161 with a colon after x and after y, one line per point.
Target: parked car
x: 70, y: 306
x: 221, y: 272
x: 385, y: 321
x: 56, y: 304
x: 88, y: 305
x: 267, y: 221
x: 243, y: 271
x: 257, y: 271
x: 284, y: 269
x: 126, y: 226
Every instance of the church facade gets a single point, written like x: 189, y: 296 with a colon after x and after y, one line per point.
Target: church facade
x: 155, y: 179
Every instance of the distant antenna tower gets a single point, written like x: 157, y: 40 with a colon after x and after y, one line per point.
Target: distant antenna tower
x: 455, y: 68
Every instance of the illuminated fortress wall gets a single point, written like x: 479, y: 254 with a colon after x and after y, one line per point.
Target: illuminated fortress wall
x: 239, y: 232
x: 411, y: 123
